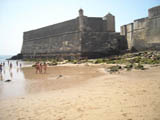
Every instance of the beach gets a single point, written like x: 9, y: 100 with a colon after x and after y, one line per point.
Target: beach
x: 85, y: 92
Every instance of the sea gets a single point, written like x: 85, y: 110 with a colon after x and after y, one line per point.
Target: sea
x: 4, y: 57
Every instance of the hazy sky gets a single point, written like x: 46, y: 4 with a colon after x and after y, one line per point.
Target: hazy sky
x: 17, y: 16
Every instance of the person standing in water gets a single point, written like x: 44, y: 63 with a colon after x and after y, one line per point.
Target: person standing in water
x: 1, y: 77
x: 0, y: 68
x: 3, y: 64
x: 40, y: 68
x: 45, y: 67
x: 37, y: 66
x: 20, y: 65
x: 10, y: 65
x: 17, y: 63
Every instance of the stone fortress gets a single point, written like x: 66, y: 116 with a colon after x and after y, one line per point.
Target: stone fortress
x: 144, y: 33
x: 83, y: 36
x: 92, y: 37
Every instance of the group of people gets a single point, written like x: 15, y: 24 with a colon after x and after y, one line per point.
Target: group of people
x: 41, y: 68
x: 3, y: 68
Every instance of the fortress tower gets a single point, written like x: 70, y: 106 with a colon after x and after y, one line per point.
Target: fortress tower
x: 110, y: 22
x: 81, y: 20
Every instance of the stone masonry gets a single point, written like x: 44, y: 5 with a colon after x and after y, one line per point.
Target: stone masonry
x: 144, y: 33
x: 90, y: 37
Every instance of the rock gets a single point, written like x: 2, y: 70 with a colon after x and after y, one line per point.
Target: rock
x: 59, y: 76
x: 8, y: 80
x: 16, y: 57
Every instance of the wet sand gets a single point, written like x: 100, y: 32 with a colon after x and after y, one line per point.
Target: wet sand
x: 86, y: 93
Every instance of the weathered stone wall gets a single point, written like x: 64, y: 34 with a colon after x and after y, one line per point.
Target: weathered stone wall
x: 54, y: 45
x: 94, y: 24
x: 101, y: 44
x: 67, y: 26
x: 110, y: 22
x: 152, y: 33
x: 155, y: 11
x: 145, y: 32
x: 58, y: 39
x: 139, y: 35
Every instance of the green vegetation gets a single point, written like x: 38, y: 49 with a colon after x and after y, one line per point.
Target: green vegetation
x: 129, y: 60
x: 139, y: 67
x: 129, y: 67
x: 114, y: 68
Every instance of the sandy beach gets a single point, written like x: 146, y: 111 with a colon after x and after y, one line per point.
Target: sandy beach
x: 82, y: 92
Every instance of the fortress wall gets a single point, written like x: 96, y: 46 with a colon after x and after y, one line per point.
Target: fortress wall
x: 53, y: 46
x: 127, y: 31
x: 52, y: 40
x: 67, y: 26
x: 100, y: 44
x: 153, y: 33
x: 146, y: 31
x: 94, y: 24
x: 139, y: 36
x: 123, y: 30
x: 129, y: 36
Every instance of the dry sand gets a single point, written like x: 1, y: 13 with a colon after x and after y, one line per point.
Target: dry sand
x: 87, y: 93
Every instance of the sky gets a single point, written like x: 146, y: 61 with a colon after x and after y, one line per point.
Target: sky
x: 18, y: 16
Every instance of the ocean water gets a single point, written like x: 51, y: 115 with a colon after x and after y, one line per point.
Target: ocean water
x: 4, y: 57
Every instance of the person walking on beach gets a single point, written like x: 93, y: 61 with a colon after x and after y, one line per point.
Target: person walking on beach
x: 20, y: 65
x: 0, y: 68
x: 10, y: 66
x: 45, y: 67
x: 17, y: 63
x: 3, y: 64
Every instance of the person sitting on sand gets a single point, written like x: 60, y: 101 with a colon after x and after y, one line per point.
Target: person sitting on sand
x: 45, y: 67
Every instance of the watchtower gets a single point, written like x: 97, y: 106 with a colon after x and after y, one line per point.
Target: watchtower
x: 81, y: 20
x: 110, y: 22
